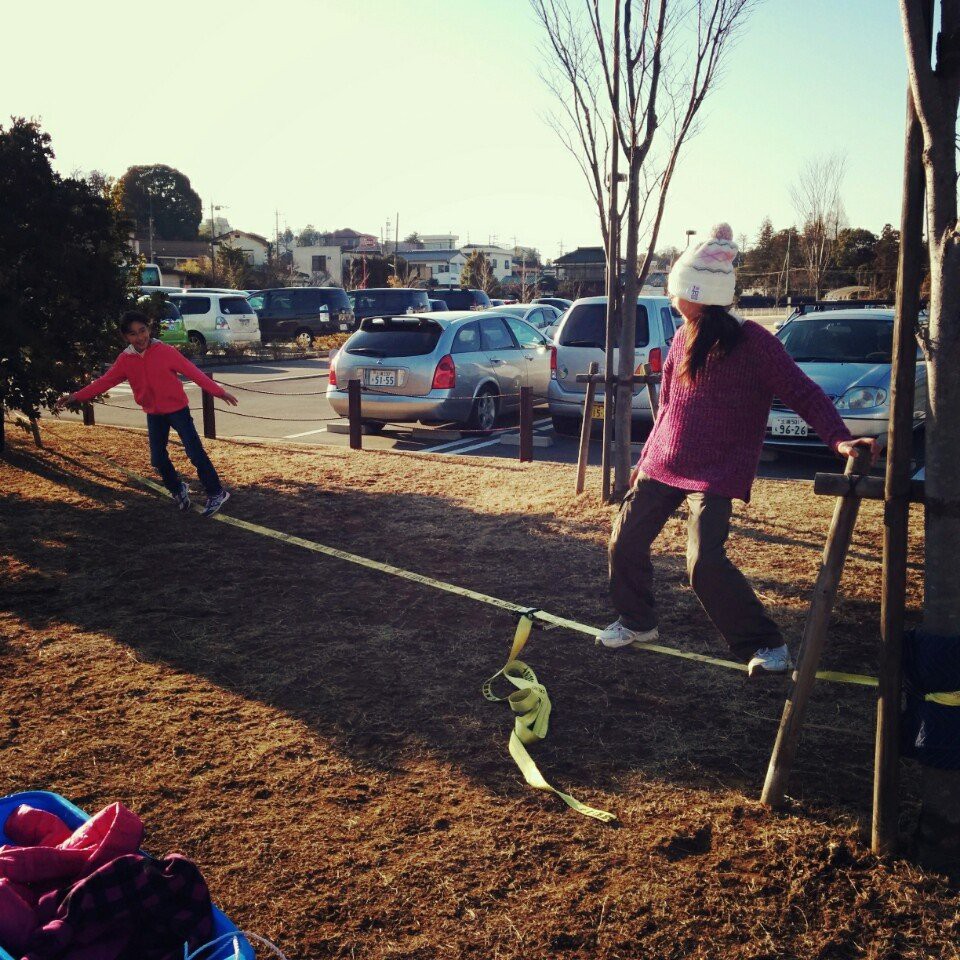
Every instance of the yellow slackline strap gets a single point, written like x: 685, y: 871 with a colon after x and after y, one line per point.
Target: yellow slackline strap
x: 540, y: 615
x: 531, y: 706
x: 945, y: 699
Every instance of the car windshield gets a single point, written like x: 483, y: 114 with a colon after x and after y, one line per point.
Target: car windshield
x: 394, y: 337
x: 827, y: 339
x: 586, y: 326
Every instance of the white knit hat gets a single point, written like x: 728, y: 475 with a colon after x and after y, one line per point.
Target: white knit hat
x: 704, y: 273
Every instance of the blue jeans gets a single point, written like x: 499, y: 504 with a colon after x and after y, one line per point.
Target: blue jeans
x: 158, y: 430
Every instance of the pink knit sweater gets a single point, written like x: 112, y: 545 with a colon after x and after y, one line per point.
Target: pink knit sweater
x: 708, y: 436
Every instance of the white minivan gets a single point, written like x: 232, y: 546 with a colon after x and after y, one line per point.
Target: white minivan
x: 218, y: 319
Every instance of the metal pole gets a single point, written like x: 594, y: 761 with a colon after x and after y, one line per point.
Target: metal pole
x: 586, y: 428
x: 353, y: 413
x: 896, y: 510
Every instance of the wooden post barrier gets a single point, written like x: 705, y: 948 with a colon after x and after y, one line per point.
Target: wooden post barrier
x: 353, y: 413
x: 89, y: 420
x: 209, y: 417
x: 814, y: 636
x: 526, y: 425
x: 587, y: 427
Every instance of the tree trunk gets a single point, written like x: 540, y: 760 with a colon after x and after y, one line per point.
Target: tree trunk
x: 35, y: 430
x: 628, y: 334
x: 938, y: 833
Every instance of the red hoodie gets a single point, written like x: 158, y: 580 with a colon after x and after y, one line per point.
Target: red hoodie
x: 153, y: 378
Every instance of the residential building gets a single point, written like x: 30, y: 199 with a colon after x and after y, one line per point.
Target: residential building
x: 500, y: 260
x: 347, y: 239
x: 439, y: 241
x: 441, y: 266
x: 254, y: 247
x: 322, y: 263
x: 583, y: 265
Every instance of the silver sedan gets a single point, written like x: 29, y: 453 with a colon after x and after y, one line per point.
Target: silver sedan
x: 440, y: 367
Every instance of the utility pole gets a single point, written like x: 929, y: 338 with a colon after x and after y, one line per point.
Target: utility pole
x: 150, y: 223
x: 396, y: 247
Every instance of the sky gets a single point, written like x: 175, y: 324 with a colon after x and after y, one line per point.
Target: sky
x: 340, y: 113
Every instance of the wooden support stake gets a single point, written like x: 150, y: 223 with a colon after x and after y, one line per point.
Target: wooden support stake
x: 353, y: 413
x: 896, y: 508
x: 89, y: 420
x: 814, y: 637
x: 586, y: 428
x: 651, y: 389
x: 526, y: 425
x: 209, y: 417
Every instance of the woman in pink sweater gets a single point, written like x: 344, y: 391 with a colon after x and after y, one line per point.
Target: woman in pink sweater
x: 152, y: 369
x: 719, y: 380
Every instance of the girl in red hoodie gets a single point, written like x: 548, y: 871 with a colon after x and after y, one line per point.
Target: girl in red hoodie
x: 151, y: 367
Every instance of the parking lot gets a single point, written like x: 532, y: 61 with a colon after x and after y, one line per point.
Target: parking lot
x: 284, y: 401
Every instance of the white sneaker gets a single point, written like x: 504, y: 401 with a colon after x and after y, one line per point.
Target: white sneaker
x: 617, y: 635
x: 769, y: 660
x: 183, y: 496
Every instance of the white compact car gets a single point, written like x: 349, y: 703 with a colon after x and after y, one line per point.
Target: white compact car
x: 218, y: 319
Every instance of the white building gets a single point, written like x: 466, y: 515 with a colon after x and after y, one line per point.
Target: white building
x: 441, y: 266
x: 255, y: 248
x: 322, y: 264
x: 500, y: 260
x: 439, y: 241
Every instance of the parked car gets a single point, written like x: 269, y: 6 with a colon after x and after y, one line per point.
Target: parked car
x: 464, y: 299
x: 440, y: 367
x: 561, y: 303
x: 302, y: 313
x: 170, y: 327
x: 388, y: 301
x: 847, y: 353
x: 436, y: 305
x: 217, y: 319
x: 580, y: 339
x: 539, y: 315
x: 496, y: 302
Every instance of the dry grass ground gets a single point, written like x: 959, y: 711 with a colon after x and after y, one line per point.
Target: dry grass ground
x: 312, y: 733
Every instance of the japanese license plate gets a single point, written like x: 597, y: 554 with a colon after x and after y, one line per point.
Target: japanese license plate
x: 344, y: 326
x: 597, y: 411
x: 789, y: 427
x: 382, y: 378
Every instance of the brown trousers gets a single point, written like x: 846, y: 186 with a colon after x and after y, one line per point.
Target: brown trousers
x: 722, y: 589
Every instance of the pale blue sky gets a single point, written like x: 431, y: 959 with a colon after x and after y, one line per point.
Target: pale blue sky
x: 342, y: 112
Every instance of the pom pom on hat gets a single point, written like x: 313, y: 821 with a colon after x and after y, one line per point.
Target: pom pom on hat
x: 704, y: 273
x: 722, y: 231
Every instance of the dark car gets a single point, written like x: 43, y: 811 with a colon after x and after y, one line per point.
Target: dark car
x: 438, y: 305
x: 302, y: 313
x: 463, y: 299
x: 388, y: 301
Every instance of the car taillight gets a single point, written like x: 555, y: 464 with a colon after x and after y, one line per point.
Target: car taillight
x: 553, y: 363
x: 332, y: 380
x: 655, y: 359
x: 445, y: 376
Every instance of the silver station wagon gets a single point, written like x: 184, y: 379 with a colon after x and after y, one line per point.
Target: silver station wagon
x: 459, y: 366
x: 847, y: 353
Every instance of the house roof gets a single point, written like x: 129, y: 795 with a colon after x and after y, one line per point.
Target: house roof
x: 583, y: 255
x: 245, y: 233
x: 426, y: 256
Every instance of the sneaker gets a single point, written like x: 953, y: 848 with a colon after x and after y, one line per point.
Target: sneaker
x: 769, y: 660
x: 215, y: 503
x: 617, y: 635
x: 183, y: 496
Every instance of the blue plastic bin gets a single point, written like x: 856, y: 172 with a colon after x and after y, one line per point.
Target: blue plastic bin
x: 73, y: 817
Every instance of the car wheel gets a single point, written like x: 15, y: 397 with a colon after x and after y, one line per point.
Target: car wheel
x: 303, y: 338
x: 199, y: 341
x: 567, y: 426
x: 486, y: 409
x: 373, y: 426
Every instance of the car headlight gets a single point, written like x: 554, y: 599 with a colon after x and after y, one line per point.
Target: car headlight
x: 862, y: 398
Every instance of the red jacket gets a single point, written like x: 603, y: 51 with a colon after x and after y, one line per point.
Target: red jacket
x: 153, y: 378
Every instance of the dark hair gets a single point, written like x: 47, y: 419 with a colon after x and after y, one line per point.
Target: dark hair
x: 130, y: 318
x: 715, y: 332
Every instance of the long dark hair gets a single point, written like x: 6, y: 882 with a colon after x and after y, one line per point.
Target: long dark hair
x: 716, y: 331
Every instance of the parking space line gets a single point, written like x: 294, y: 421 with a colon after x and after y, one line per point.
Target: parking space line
x: 306, y: 433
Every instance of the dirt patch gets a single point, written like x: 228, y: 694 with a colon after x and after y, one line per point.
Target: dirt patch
x: 313, y: 734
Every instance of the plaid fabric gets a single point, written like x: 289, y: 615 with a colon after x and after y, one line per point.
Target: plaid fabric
x: 133, y: 908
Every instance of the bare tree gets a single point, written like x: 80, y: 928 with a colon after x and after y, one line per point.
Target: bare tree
x: 818, y: 202
x: 936, y: 93
x: 630, y: 80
